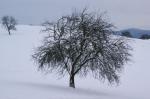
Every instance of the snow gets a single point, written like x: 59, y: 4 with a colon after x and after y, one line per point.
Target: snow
x: 20, y: 78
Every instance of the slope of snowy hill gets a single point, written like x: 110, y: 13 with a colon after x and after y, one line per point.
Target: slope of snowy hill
x: 20, y: 78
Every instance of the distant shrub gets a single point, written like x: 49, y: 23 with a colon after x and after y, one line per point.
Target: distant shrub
x: 145, y: 36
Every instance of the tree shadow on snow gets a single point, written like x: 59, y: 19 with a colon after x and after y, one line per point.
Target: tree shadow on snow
x: 59, y: 88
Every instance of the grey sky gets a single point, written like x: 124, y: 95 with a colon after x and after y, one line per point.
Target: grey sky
x: 123, y: 13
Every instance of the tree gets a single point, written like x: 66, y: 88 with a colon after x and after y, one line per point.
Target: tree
x: 9, y: 23
x: 82, y: 43
x: 126, y: 33
x: 145, y: 36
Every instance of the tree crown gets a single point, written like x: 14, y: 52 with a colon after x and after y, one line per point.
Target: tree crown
x: 9, y: 22
x: 82, y: 43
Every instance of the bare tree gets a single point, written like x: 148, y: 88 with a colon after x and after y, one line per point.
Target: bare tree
x: 82, y: 43
x: 9, y: 23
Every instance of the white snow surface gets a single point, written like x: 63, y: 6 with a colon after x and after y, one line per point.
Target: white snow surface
x: 20, y: 78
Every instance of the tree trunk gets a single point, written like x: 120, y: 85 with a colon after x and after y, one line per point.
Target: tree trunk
x: 71, y: 82
x: 9, y: 32
x: 8, y: 29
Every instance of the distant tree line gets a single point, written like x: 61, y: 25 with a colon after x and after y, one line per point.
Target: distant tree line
x: 145, y: 36
x: 128, y: 34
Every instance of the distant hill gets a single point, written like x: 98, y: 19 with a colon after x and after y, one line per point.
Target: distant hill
x: 135, y: 32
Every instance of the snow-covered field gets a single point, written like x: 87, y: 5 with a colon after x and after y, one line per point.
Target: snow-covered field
x: 20, y: 79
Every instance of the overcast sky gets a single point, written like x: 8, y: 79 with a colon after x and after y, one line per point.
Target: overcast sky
x: 123, y: 13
